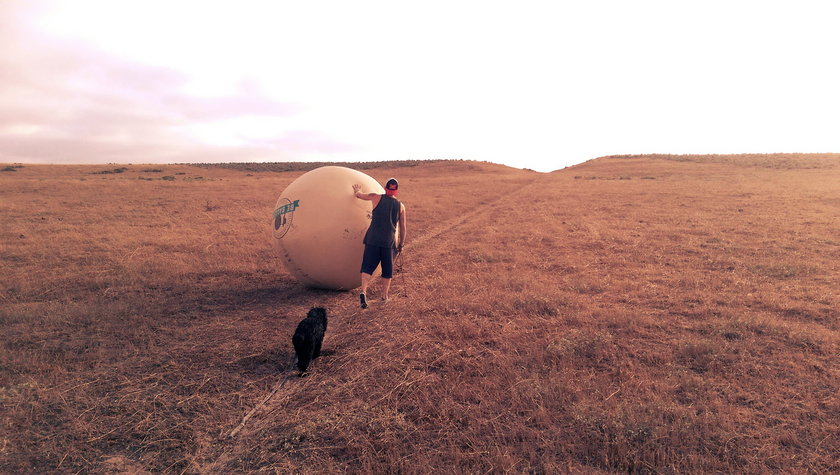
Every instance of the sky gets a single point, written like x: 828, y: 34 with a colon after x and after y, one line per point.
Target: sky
x: 529, y: 84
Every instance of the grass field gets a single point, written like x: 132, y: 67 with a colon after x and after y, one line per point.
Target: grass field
x: 642, y: 314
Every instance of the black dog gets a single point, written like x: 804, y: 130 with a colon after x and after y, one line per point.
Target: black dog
x: 308, y: 337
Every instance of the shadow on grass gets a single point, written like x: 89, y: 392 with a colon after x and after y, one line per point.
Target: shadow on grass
x: 224, y: 296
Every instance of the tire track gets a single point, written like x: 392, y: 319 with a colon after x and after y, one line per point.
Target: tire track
x: 475, y: 213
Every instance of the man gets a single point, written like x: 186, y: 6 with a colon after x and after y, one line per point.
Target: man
x: 380, y: 240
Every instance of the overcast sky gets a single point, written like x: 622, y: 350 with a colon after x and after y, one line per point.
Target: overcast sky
x: 538, y: 85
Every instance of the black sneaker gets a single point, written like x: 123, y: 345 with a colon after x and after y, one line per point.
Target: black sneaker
x: 363, y: 300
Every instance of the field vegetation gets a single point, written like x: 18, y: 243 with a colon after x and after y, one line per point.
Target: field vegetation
x: 641, y: 314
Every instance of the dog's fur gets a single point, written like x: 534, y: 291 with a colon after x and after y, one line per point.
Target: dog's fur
x: 308, y: 337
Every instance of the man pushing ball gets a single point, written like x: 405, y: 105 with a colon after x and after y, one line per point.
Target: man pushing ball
x: 381, y: 241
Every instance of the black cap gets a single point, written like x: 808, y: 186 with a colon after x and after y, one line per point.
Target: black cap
x: 392, y: 184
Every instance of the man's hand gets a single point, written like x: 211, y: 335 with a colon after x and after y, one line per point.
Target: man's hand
x: 356, y: 188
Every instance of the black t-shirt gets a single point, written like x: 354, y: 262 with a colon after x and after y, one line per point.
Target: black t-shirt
x: 383, y: 223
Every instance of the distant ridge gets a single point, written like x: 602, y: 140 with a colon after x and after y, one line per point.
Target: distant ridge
x: 730, y: 156
x: 306, y: 166
x: 759, y: 160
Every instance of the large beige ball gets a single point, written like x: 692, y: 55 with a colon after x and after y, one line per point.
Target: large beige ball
x: 319, y: 226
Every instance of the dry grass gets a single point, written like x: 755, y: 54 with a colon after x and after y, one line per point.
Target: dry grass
x: 642, y: 314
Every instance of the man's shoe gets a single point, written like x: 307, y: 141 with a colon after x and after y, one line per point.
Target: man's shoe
x: 363, y: 300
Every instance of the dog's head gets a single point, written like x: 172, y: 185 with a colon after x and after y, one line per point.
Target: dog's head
x: 318, y: 313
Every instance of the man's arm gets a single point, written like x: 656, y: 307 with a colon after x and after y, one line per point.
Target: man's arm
x: 363, y: 196
x: 402, y: 226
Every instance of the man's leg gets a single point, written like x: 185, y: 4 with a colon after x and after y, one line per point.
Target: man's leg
x: 386, y: 284
x: 365, y: 281
x: 363, y: 295
x: 387, y: 258
x: 370, y: 259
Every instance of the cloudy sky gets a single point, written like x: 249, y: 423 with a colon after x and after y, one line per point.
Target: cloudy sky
x: 529, y: 84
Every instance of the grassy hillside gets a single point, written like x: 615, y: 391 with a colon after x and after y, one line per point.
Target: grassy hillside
x: 664, y: 314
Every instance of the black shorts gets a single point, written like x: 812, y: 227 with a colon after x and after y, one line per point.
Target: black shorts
x: 374, y: 255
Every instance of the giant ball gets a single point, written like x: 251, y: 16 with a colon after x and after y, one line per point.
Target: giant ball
x: 319, y: 226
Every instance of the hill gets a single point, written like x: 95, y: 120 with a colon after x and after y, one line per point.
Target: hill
x: 665, y: 314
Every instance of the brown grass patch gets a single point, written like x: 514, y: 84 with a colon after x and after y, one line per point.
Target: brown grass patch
x: 680, y: 320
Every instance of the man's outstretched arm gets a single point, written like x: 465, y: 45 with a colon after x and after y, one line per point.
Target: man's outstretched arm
x: 363, y: 196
